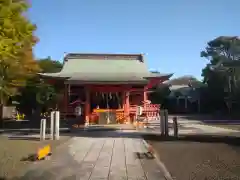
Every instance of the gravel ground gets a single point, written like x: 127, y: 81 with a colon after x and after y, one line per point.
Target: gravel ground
x: 12, y: 152
x: 199, y: 157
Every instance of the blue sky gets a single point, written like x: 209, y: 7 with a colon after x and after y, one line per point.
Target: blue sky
x: 171, y: 32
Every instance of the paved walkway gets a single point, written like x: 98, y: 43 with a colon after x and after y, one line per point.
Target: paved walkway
x: 110, y: 155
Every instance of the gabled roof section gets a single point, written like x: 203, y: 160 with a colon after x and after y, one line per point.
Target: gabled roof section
x: 104, y: 67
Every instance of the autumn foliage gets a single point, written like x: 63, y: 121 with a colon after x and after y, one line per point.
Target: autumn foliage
x: 16, y: 47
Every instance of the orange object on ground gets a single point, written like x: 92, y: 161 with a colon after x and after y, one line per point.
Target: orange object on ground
x: 43, y: 152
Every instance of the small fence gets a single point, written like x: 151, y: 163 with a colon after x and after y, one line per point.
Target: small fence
x: 149, y: 111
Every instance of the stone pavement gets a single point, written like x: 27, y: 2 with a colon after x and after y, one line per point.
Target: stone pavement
x: 106, y: 155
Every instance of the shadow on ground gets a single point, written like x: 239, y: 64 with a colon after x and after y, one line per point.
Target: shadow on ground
x: 26, y: 138
x: 48, y: 175
x: 231, y: 139
x: 113, y: 132
x: 171, y: 126
x: 27, y: 131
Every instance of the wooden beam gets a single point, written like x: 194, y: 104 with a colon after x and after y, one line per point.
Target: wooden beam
x: 87, y: 105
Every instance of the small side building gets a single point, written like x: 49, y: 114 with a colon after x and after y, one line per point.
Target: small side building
x: 185, y: 96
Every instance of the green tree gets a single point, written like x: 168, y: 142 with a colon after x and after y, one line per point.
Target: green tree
x: 222, y: 72
x: 16, y: 42
x: 39, y: 93
x: 51, y: 92
x: 48, y: 65
x: 159, y: 94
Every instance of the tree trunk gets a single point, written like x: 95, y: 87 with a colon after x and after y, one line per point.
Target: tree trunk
x: 1, y: 106
x: 1, y: 115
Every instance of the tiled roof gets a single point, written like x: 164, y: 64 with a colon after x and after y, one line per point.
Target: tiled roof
x: 116, y: 70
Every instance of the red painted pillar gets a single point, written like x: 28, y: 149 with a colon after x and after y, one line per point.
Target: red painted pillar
x: 127, y: 106
x: 145, y: 98
x: 66, y: 98
x: 123, y: 106
x: 123, y: 101
x: 87, y: 105
x: 145, y: 95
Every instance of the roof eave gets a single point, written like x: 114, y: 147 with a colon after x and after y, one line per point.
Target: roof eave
x: 106, y: 82
x: 53, y: 75
x: 158, y: 75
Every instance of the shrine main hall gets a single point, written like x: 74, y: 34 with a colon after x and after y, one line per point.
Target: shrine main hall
x: 112, y: 83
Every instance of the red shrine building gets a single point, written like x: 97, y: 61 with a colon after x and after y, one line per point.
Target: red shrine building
x: 107, y: 87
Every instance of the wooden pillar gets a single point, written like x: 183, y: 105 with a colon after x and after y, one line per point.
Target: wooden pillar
x: 66, y: 94
x: 127, y: 106
x: 145, y: 95
x: 124, y: 104
x: 87, y: 105
x: 123, y: 101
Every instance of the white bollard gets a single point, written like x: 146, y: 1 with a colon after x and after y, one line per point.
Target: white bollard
x: 57, y: 124
x: 43, y: 129
x: 52, y: 120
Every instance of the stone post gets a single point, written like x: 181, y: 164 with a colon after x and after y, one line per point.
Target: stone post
x: 43, y: 129
x: 166, y: 122
x: 162, y: 122
x: 57, y: 124
x: 52, y: 124
x: 175, y: 127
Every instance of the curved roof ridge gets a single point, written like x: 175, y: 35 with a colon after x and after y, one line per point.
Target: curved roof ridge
x: 103, y: 56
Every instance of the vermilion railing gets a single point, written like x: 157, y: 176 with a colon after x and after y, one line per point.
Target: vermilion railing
x: 120, y: 118
x: 150, y: 111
